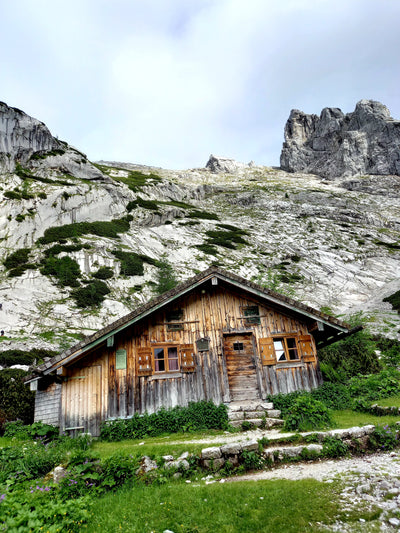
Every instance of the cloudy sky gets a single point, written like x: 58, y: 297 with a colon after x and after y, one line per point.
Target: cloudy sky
x: 167, y: 82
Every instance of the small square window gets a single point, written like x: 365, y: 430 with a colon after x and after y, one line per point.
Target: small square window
x: 238, y: 346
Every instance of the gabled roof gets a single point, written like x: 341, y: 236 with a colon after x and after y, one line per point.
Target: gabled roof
x: 328, y: 328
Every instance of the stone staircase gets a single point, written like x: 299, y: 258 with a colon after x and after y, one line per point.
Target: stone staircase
x: 255, y: 412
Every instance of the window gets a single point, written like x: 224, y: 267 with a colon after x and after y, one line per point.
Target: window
x: 166, y: 359
x: 252, y: 314
x: 238, y: 346
x: 174, y: 319
x: 286, y: 349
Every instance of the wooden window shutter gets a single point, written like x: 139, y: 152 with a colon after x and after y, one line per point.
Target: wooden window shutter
x: 187, y: 358
x: 144, y: 363
x: 307, y: 348
x: 267, y: 351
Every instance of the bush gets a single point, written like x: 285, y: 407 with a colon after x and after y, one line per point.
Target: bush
x: 285, y: 402
x: 16, y: 400
x: 104, y: 273
x: 375, y: 386
x: 385, y: 438
x: 394, y: 300
x: 351, y: 356
x: 131, y: 263
x: 165, y: 278
x: 17, y: 258
x: 37, y: 430
x: 22, y: 357
x: 145, y: 204
x: 308, y: 414
x: 197, y: 416
x: 90, y: 295
x: 334, y: 447
x: 110, y: 229
x: 227, y: 239
x: 333, y: 395
x: 65, y: 269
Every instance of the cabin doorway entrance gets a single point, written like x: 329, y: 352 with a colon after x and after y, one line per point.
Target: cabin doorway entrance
x: 241, y: 367
x: 82, y: 401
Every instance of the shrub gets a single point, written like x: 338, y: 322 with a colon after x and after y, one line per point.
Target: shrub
x: 308, y: 414
x: 90, y: 295
x: 165, y: 278
x: 208, y: 249
x: 58, y: 248
x: 37, y: 430
x: 65, y: 269
x: 131, y: 263
x: 203, y: 215
x: 333, y: 395
x: 16, y: 400
x: 104, y: 272
x: 145, y: 204
x: 386, y: 438
x: 110, y: 229
x: 285, y: 402
x: 196, y: 416
x: 351, y: 356
x: 17, y: 258
x: 375, y: 386
x: 227, y: 239
x: 394, y: 300
x: 334, y: 447
x: 23, y: 357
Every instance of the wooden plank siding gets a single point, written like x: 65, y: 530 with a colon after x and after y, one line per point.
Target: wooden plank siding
x: 215, y: 314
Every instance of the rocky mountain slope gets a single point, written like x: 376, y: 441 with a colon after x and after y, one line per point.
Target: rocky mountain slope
x: 72, y: 233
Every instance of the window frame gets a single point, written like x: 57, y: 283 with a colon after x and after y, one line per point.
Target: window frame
x: 251, y: 319
x: 287, y: 349
x: 166, y: 359
x: 175, y: 320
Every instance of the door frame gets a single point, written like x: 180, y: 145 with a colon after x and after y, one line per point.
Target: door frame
x: 255, y: 358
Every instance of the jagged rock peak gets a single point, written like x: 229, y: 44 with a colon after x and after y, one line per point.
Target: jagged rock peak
x: 28, y: 142
x: 334, y: 144
x: 20, y: 133
x: 217, y: 163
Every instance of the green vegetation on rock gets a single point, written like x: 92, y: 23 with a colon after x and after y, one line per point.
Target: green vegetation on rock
x: 90, y: 295
x: 110, y: 229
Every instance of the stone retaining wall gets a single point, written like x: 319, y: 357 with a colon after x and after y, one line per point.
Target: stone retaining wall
x: 215, y: 457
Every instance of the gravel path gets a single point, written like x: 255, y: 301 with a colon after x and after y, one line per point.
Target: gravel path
x: 368, y: 482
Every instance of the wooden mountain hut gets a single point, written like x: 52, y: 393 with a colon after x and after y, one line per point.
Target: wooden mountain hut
x: 214, y: 337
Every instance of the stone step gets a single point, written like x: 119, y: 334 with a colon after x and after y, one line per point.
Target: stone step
x: 257, y: 422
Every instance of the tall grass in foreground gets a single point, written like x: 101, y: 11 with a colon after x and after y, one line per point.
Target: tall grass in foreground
x: 263, y: 506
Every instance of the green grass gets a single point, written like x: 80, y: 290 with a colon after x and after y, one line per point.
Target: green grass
x: 347, y: 419
x: 160, y: 445
x: 393, y: 401
x: 263, y: 506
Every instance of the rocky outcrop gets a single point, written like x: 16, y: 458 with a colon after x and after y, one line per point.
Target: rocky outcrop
x: 334, y: 144
x: 217, y: 164
x: 27, y: 142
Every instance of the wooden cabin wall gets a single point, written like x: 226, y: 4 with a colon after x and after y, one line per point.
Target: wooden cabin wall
x: 48, y: 405
x: 210, y: 313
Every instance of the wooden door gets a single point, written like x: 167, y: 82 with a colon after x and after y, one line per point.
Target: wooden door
x: 241, y: 368
x: 82, y: 401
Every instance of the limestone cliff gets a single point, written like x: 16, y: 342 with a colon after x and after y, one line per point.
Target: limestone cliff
x: 329, y: 243
x: 25, y: 142
x: 334, y: 144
